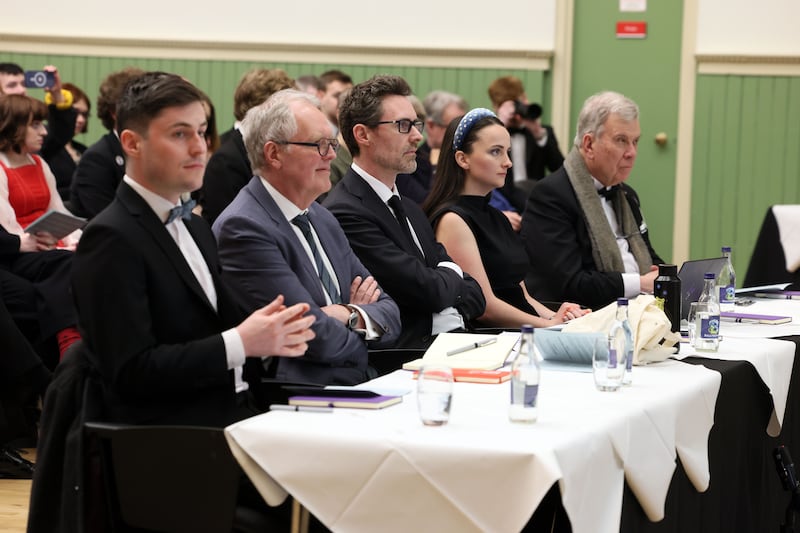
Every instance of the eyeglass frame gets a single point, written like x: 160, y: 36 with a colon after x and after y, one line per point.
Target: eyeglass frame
x: 419, y: 124
x: 332, y: 143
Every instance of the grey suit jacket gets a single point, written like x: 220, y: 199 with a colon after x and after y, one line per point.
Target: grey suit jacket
x: 262, y: 257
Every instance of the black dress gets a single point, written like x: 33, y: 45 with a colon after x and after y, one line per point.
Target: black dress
x: 502, y: 252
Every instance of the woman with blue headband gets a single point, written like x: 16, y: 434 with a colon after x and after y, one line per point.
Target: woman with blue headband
x: 473, y: 162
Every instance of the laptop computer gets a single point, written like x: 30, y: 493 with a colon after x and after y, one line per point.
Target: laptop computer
x: 691, y: 274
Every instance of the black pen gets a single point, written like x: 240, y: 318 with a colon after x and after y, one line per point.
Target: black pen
x: 472, y: 346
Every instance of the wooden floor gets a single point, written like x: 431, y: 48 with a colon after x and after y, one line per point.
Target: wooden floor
x: 14, y: 496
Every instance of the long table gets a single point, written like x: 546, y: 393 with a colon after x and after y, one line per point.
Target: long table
x: 670, y: 452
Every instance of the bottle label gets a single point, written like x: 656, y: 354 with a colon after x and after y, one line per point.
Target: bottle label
x: 531, y: 393
x: 612, y: 358
x: 727, y: 294
x: 629, y: 360
x: 709, y: 327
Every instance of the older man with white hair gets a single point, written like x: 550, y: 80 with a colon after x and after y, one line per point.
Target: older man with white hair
x: 583, y: 227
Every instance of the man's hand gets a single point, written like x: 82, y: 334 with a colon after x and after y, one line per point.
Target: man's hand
x: 364, y: 292
x: 647, y: 281
x: 535, y: 126
x: 277, y: 330
x: 506, y: 113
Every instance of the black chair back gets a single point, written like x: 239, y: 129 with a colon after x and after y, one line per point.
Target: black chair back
x: 167, y: 478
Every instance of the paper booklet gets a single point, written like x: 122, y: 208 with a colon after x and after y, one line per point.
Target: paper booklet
x: 472, y: 375
x: 56, y: 223
x: 467, y: 350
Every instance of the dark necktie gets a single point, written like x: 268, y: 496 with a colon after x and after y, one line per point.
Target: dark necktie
x: 184, y: 211
x: 609, y: 193
x: 397, y: 206
x: 302, y: 222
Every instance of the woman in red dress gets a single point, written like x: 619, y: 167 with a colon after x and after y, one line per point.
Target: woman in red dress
x: 27, y: 191
x: 27, y: 186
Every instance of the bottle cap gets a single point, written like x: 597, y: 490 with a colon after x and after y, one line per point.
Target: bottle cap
x: 527, y: 328
x: 667, y: 270
x: 726, y: 249
x: 622, y: 301
x: 709, y: 275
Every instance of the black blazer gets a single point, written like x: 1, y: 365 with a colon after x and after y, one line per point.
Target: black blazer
x: 557, y: 241
x: 227, y: 172
x: 538, y: 159
x: 419, y: 288
x: 152, y: 333
x: 97, y: 176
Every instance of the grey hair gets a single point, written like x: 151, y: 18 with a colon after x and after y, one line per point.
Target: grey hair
x: 596, y: 110
x: 271, y: 121
x: 437, y: 101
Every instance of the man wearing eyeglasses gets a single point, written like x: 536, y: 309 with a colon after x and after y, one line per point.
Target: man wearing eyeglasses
x: 390, y: 234
x: 275, y: 239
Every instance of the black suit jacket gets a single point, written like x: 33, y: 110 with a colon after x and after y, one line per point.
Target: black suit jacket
x: 99, y: 172
x: 227, y: 172
x: 419, y: 287
x: 557, y: 240
x: 538, y: 159
x: 152, y: 333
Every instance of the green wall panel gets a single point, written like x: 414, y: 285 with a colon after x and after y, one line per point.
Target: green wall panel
x: 219, y: 78
x: 746, y: 158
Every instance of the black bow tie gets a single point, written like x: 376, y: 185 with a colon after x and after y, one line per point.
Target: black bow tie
x: 609, y: 192
x: 184, y: 211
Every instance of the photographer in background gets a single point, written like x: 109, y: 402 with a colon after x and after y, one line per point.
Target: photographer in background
x: 534, y: 147
x: 60, y: 114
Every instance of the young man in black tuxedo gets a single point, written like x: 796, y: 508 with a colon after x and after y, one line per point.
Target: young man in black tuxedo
x: 163, y: 332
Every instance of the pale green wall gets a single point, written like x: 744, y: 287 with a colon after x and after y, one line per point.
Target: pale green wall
x: 219, y: 78
x: 747, y: 133
x: 746, y: 158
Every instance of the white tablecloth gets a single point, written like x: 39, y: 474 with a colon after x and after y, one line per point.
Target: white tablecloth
x: 360, y: 470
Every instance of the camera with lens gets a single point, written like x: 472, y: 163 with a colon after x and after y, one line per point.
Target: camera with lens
x: 527, y: 111
x: 39, y: 79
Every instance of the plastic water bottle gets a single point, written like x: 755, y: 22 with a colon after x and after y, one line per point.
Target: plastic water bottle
x: 707, y: 321
x: 727, y: 281
x: 525, y: 374
x: 620, y: 341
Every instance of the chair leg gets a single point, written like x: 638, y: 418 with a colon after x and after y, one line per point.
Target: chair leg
x: 299, y: 517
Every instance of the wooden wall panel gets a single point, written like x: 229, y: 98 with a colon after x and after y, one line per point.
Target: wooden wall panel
x: 746, y: 158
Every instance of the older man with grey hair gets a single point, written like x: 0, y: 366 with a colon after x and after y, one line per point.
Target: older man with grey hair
x: 583, y: 227
x: 274, y: 238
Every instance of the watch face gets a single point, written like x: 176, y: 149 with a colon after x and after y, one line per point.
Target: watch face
x: 353, y: 321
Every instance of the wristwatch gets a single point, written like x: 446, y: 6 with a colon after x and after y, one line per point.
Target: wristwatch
x: 352, y: 320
